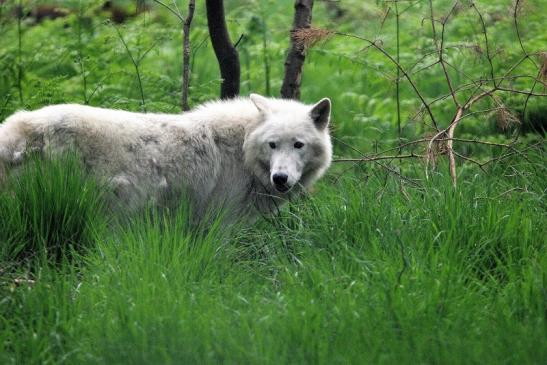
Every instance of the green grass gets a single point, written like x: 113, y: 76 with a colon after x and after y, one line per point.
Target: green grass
x: 356, y: 273
x: 48, y: 210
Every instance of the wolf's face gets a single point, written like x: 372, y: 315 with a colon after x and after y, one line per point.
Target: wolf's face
x: 291, y: 146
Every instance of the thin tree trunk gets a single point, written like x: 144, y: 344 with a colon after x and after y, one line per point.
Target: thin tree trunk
x: 186, y: 54
x: 140, y: 6
x: 297, y: 53
x: 227, y: 56
x: 266, y: 57
x: 20, y: 13
x: 337, y: 12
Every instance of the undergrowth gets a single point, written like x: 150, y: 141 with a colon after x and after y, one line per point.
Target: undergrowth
x: 49, y: 209
x: 357, y: 272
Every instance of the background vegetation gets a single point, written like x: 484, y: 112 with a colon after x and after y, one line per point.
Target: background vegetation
x: 377, y: 265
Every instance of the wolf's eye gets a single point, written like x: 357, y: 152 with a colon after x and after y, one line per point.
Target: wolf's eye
x: 272, y: 145
x: 298, y: 144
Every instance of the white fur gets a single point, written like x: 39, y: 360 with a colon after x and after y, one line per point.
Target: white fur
x: 218, y: 153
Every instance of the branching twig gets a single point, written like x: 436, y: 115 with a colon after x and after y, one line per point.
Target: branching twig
x: 526, y: 54
x: 136, y: 65
x: 403, y: 71
x: 389, y: 169
x: 472, y: 92
x: 378, y: 158
x: 485, y: 33
x: 398, y: 80
x: 175, y: 12
x: 440, y: 48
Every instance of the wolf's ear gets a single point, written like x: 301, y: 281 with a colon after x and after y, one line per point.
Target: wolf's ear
x: 260, y: 102
x: 320, y: 113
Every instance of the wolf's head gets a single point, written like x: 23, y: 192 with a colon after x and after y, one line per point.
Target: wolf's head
x: 290, y: 145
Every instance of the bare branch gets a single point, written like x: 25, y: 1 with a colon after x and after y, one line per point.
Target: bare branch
x: 440, y: 49
x: 470, y: 160
x: 403, y: 71
x: 173, y: 11
x: 136, y: 65
x: 475, y: 90
x: 379, y: 158
x: 488, y: 56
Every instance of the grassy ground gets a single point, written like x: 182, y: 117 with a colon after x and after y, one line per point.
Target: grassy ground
x: 357, y: 273
x: 368, y: 268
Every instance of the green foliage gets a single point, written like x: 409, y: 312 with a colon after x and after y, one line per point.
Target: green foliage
x: 88, y: 62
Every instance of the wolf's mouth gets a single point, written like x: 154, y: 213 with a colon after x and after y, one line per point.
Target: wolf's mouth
x: 282, y: 188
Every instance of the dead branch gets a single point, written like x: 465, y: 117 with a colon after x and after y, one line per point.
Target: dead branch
x: 464, y: 96
x: 398, y: 65
x: 485, y: 33
x: 441, y: 48
x: 387, y: 168
x: 378, y: 158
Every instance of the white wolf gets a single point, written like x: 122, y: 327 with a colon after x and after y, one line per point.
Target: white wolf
x: 249, y: 154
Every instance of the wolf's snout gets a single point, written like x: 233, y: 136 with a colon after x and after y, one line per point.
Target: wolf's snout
x: 280, y: 178
x: 280, y: 181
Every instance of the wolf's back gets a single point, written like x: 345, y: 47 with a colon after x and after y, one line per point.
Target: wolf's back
x: 14, y: 137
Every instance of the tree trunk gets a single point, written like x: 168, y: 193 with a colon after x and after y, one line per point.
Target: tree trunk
x: 186, y: 54
x: 140, y: 6
x: 296, y: 56
x: 228, y: 59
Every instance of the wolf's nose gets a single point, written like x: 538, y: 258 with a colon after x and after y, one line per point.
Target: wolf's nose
x: 280, y: 178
